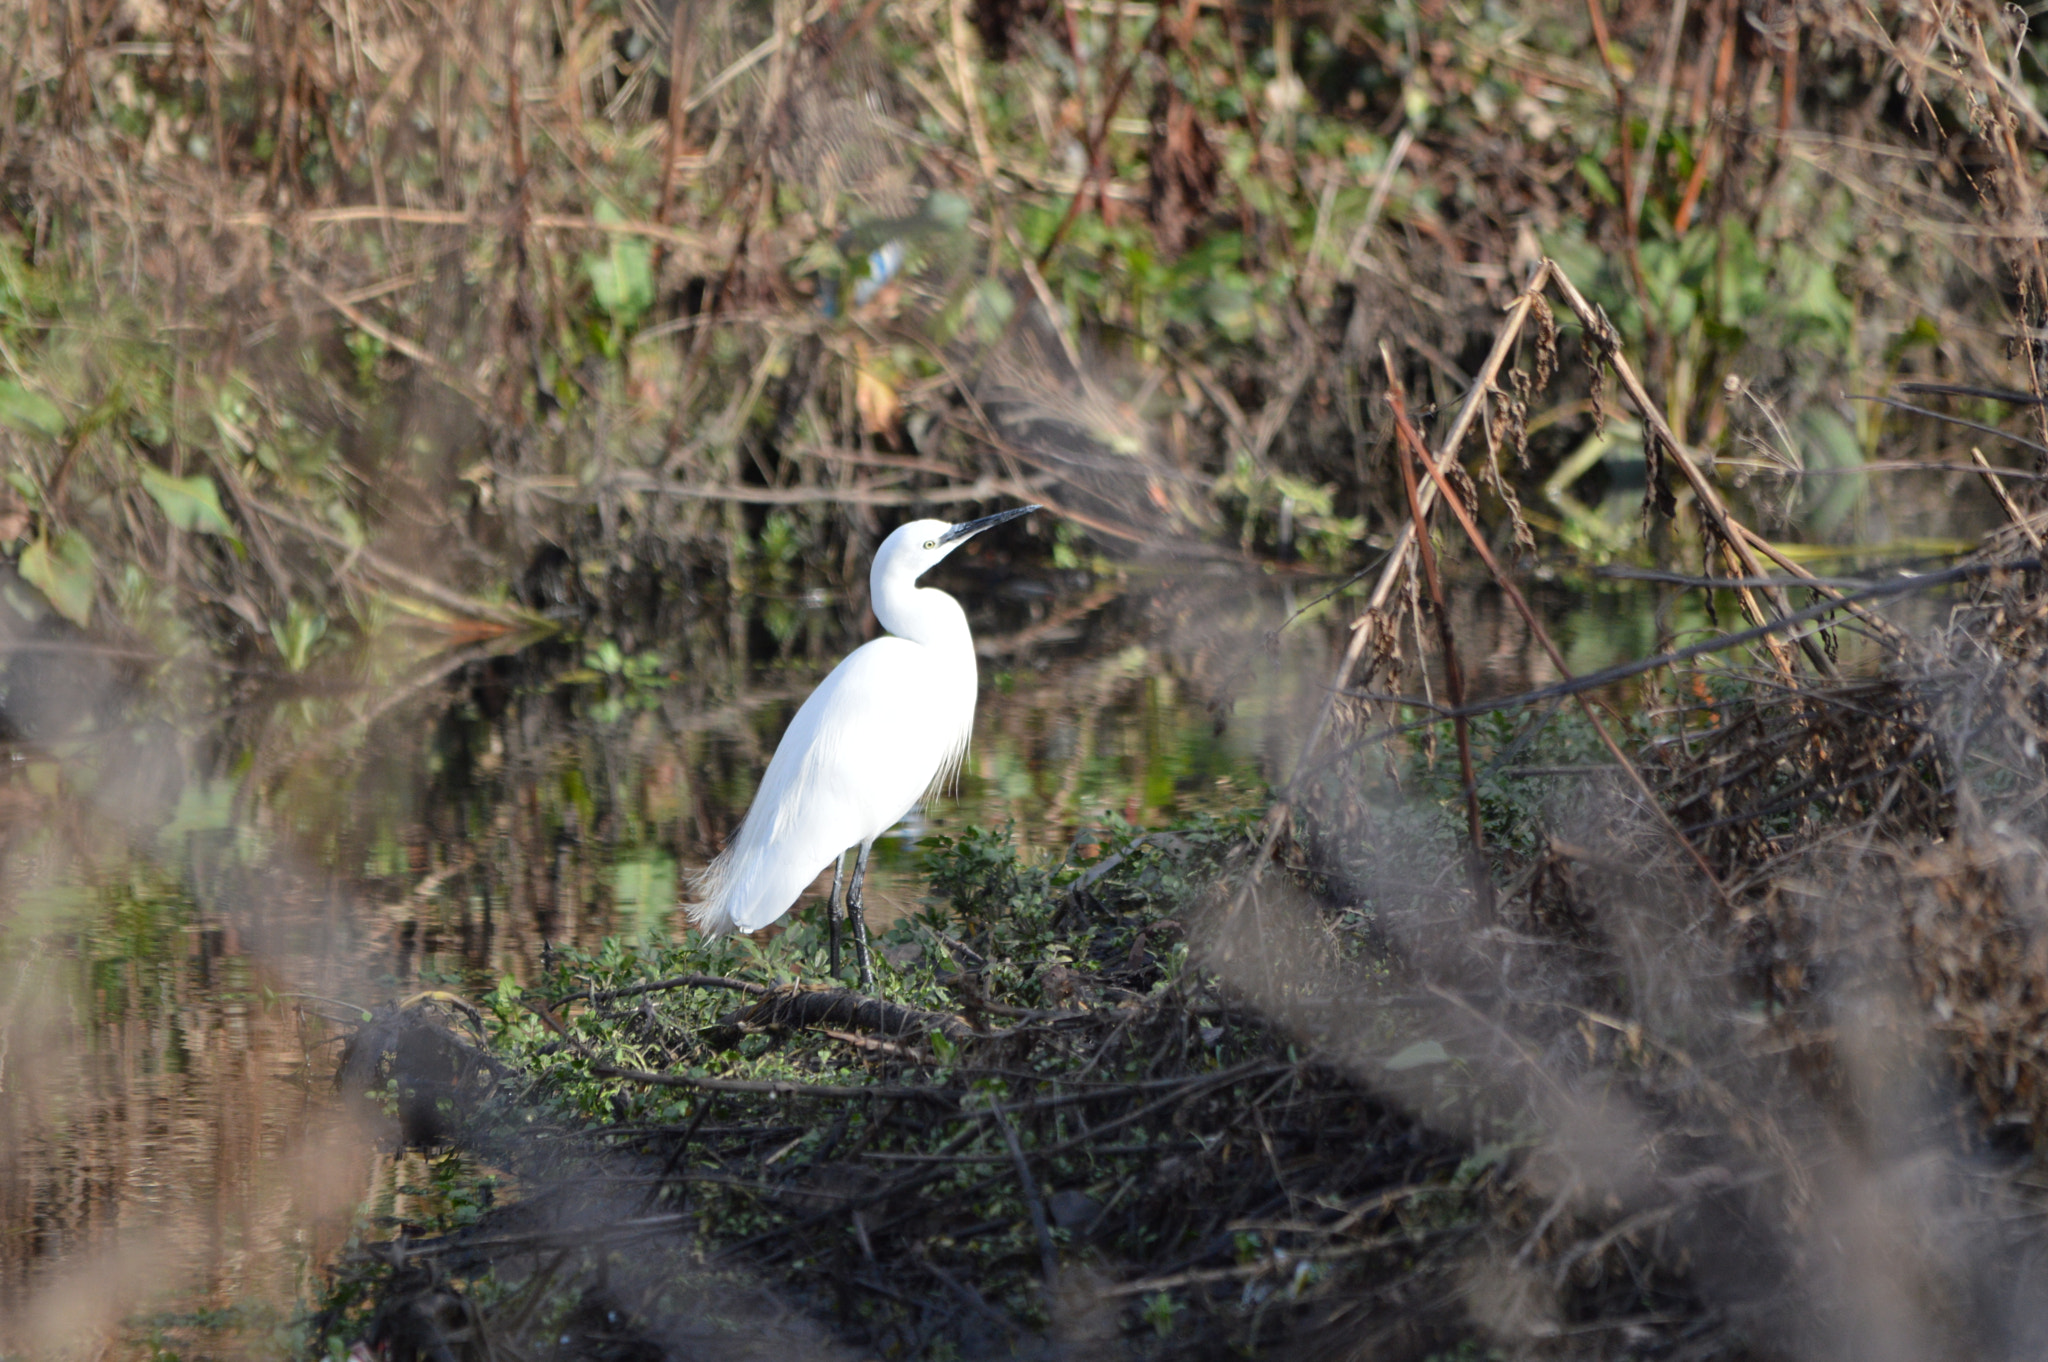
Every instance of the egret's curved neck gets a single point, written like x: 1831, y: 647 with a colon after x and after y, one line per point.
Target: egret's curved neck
x: 921, y: 614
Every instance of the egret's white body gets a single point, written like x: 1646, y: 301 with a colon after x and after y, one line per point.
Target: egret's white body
x: 891, y: 722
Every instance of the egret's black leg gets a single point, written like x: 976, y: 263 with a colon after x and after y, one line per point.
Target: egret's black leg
x: 855, y: 905
x: 832, y: 915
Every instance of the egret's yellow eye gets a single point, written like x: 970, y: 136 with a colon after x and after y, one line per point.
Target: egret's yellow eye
x: 931, y: 543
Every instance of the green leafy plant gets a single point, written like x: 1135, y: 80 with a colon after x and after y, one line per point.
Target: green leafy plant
x: 29, y: 412
x: 1160, y: 1311
x: 622, y: 275
x: 298, y: 634
x: 189, y: 503
x: 62, y: 568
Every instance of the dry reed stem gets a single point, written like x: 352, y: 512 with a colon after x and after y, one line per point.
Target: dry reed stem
x: 1881, y: 626
x: 1362, y: 628
x: 1454, y: 674
x: 2013, y: 514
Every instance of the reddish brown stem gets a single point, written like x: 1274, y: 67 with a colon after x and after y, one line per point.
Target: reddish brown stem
x: 1628, y: 177
x: 1094, y: 172
x: 1454, y: 675
x: 682, y: 61
x: 1788, y: 82
x: 1724, y: 67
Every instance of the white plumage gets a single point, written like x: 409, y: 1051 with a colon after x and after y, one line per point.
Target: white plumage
x: 891, y: 722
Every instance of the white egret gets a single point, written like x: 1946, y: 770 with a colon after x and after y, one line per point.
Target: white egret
x: 891, y: 722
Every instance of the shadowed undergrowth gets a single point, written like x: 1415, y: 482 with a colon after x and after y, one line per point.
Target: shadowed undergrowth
x: 1219, y: 1091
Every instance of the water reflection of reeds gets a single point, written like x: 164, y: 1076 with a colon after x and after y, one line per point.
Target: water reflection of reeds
x: 156, y: 1151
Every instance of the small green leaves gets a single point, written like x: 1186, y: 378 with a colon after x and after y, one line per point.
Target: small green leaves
x: 1160, y: 1310
x: 62, y: 569
x: 297, y: 634
x: 1924, y: 332
x: 621, y: 279
x: 189, y: 503
x: 1419, y: 1055
x: 1595, y: 175
x: 28, y: 412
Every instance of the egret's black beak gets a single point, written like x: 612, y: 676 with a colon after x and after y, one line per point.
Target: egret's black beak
x: 967, y: 529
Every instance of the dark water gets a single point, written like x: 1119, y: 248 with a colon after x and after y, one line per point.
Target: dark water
x: 203, y: 873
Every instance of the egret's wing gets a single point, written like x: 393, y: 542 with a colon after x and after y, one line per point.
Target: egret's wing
x: 854, y: 760
x: 949, y: 758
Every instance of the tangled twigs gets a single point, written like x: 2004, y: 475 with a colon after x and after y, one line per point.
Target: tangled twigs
x: 1884, y: 629
x: 788, y: 1006
x: 796, y: 1005
x: 768, y: 1087
x: 1453, y: 672
x: 1364, y: 627
x: 485, y: 616
x: 679, y: 981
x: 1734, y: 544
x: 1413, y: 441
x: 1720, y: 643
x: 1454, y: 675
x: 1094, y: 171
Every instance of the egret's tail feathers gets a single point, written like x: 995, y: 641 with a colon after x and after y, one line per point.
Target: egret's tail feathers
x: 710, y: 905
x: 749, y: 885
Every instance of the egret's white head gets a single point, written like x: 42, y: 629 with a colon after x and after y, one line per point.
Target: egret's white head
x: 918, y: 547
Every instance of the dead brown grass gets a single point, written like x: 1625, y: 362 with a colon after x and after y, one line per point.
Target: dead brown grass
x: 366, y: 240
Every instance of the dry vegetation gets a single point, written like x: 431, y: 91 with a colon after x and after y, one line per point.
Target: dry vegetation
x: 1720, y: 1037
x: 317, y: 310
